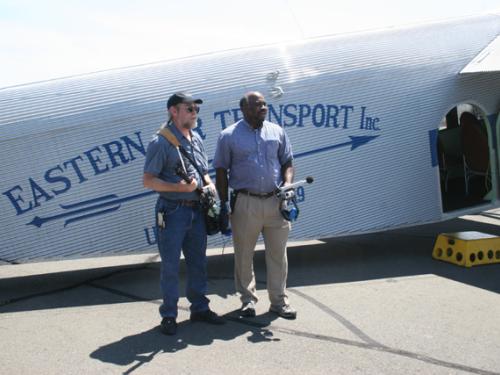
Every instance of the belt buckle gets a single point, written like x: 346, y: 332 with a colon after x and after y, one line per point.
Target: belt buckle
x: 262, y: 195
x: 257, y: 195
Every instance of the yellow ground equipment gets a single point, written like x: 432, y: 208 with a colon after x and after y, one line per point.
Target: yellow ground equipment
x: 467, y: 248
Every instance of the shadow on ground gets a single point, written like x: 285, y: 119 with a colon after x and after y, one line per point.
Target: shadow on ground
x: 397, y: 253
x: 142, y: 347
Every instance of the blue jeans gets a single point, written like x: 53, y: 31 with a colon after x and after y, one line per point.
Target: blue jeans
x: 184, y: 229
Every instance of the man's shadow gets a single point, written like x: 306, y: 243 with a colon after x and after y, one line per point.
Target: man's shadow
x: 144, y: 346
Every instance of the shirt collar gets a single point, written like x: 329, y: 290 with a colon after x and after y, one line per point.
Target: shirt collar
x: 179, y: 135
x: 250, y: 127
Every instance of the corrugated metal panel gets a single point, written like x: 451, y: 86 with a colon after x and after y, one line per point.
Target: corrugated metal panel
x: 50, y: 132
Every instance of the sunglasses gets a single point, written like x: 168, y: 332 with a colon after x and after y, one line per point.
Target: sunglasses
x: 192, y: 109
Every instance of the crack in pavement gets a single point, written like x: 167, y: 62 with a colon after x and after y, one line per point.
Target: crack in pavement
x: 368, y: 343
x: 346, y: 323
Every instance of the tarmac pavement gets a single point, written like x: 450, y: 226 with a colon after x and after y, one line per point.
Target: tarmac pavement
x: 370, y: 304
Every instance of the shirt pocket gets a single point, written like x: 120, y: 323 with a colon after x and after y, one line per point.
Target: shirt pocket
x: 245, y: 152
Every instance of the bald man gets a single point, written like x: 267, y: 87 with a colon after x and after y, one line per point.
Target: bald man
x: 254, y: 157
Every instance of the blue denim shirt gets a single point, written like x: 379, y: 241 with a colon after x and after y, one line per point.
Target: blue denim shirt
x: 253, y: 157
x: 162, y: 159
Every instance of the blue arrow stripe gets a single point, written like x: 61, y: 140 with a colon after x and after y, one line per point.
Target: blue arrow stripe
x: 38, y: 221
x: 90, y: 201
x: 108, y: 210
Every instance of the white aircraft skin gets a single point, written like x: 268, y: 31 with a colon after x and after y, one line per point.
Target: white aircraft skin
x: 362, y: 111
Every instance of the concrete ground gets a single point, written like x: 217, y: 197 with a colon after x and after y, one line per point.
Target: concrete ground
x: 371, y: 304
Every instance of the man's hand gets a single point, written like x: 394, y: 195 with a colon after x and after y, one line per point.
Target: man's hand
x: 211, y: 186
x: 184, y: 187
x: 285, y: 184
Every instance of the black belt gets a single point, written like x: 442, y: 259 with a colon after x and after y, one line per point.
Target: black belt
x: 184, y: 202
x: 257, y: 195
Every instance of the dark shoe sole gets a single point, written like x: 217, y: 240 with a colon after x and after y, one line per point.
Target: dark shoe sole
x: 168, y: 330
x: 284, y: 316
x: 248, y: 313
x: 289, y: 317
x: 209, y: 320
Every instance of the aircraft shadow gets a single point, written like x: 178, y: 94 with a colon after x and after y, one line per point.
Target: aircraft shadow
x: 397, y: 253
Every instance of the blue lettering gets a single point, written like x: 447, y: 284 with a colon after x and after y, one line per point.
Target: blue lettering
x: 57, y: 179
x: 117, y: 152
x: 290, y: 115
x: 237, y: 114
x: 329, y: 115
x: 199, y: 129
x: 272, y: 112
x: 94, y: 160
x: 15, y: 199
x: 76, y: 168
x: 61, y: 184
x: 304, y: 111
x: 222, y: 118
x: 139, y: 147
x: 367, y: 122
x: 321, y: 115
x: 346, y: 109
x: 301, y: 194
x: 38, y: 192
x: 318, y: 108
x: 154, y: 240
x: 362, y: 125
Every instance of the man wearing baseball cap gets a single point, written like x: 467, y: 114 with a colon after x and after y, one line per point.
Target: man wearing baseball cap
x: 179, y: 216
x: 182, y: 97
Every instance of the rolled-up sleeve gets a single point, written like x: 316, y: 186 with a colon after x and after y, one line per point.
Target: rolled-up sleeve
x: 285, y: 153
x: 222, y: 158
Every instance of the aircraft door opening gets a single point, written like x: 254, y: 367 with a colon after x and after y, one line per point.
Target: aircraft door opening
x: 467, y: 165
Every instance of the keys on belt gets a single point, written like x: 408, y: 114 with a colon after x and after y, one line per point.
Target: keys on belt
x: 257, y: 195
